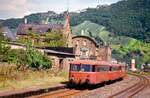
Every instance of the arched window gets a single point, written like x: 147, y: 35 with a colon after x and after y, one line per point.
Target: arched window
x: 84, y: 42
x: 77, y: 42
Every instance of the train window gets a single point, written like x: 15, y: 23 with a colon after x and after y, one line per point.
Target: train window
x: 119, y: 68
x: 110, y: 68
x: 75, y: 67
x: 83, y: 68
x: 93, y: 68
x: 102, y: 68
x: 116, y: 68
x: 86, y: 68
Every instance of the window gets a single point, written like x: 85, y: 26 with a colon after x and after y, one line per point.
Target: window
x: 116, y: 68
x: 60, y: 63
x: 93, y: 68
x: 30, y: 29
x: 102, y: 68
x: 49, y: 30
x: 77, y: 43
x: 82, y: 68
x: 84, y: 42
x: 74, y: 67
x: 84, y: 53
x: 86, y: 68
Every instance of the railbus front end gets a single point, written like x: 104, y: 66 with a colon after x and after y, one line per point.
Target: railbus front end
x: 82, y: 74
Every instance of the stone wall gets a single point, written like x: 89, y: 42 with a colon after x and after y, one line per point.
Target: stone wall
x: 104, y: 53
x: 60, y: 63
x: 82, y: 44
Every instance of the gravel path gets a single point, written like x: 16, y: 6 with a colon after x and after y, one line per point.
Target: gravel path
x: 107, y: 90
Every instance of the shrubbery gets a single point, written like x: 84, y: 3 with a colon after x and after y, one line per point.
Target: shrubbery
x: 29, y: 58
x: 37, y: 60
x: 3, y: 48
x: 50, y: 39
x: 17, y: 56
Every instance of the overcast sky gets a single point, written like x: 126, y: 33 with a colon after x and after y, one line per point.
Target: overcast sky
x: 20, y: 8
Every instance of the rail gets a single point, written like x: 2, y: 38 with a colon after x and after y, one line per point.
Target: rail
x: 134, y: 89
x: 65, y: 93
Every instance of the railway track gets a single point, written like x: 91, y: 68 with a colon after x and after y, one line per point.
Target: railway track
x: 134, y: 89
x: 65, y: 93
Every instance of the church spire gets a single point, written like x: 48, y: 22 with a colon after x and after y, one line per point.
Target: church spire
x: 67, y: 30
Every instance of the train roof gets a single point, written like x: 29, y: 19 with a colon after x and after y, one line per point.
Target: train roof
x: 90, y: 62
x: 117, y: 64
x: 94, y: 62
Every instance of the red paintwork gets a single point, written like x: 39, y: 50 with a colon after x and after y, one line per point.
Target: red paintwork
x: 95, y: 77
x: 90, y: 62
x: 80, y: 77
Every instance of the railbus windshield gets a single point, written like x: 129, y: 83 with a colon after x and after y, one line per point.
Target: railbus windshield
x: 81, y: 67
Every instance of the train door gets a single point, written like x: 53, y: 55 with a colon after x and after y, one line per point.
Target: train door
x: 102, y: 72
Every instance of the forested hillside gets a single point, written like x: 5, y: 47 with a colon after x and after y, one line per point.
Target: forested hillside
x: 127, y: 17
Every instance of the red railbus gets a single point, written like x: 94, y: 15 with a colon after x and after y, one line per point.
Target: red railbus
x: 94, y: 72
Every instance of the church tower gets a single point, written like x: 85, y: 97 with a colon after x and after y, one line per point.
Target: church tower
x: 67, y: 30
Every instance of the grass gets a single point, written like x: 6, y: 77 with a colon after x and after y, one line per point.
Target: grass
x: 146, y: 73
x: 28, y: 78
x: 7, y: 69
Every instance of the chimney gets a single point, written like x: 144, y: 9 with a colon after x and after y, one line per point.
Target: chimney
x: 25, y: 21
x: 82, y: 32
x: 47, y: 20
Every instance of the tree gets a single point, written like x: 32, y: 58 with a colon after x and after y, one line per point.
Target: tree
x: 54, y: 39
x: 37, y: 60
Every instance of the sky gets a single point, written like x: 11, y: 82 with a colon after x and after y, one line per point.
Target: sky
x: 20, y: 8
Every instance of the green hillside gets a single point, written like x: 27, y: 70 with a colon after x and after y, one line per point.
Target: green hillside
x: 94, y: 30
x: 125, y: 18
x: 124, y: 48
x: 88, y: 27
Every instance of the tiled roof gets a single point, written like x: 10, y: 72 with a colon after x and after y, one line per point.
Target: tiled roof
x: 97, y: 43
x: 9, y: 34
x: 23, y: 29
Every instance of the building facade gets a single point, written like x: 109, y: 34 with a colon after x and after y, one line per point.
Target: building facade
x: 87, y: 48
x: 84, y: 47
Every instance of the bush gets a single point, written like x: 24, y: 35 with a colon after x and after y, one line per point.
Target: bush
x: 23, y: 58
x: 29, y: 58
x: 3, y: 48
x: 37, y: 60
x: 17, y: 56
